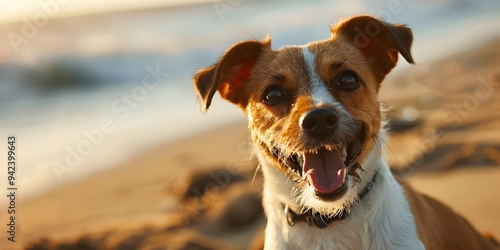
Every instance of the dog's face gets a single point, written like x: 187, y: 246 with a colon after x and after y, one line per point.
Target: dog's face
x: 313, y: 110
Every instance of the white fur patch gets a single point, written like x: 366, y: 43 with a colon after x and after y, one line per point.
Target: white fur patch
x: 320, y: 93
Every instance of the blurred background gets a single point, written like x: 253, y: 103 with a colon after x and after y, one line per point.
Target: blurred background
x: 110, y: 134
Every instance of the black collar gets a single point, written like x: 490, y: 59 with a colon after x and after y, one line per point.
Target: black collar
x: 320, y: 221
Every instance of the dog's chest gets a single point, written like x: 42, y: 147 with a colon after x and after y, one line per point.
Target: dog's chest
x: 383, y: 220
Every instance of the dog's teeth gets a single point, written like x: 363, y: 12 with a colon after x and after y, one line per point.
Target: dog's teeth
x: 343, y: 153
x: 344, y: 178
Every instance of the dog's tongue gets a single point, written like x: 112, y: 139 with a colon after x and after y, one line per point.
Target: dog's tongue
x: 328, y: 170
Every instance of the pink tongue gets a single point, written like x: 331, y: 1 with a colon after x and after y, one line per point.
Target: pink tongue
x: 328, y: 170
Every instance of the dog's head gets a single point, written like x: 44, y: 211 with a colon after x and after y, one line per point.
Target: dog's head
x: 313, y: 110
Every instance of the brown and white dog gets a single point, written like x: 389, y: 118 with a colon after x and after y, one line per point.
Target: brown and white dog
x: 317, y: 125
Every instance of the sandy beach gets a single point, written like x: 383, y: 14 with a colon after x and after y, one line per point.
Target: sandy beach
x: 203, y: 191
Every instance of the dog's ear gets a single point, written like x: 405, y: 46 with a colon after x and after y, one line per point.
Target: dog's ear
x: 380, y: 42
x: 230, y: 73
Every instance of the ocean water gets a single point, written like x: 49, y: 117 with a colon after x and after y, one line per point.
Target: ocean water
x: 127, y: 76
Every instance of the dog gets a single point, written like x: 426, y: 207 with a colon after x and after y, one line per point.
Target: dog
x: 317, y: 126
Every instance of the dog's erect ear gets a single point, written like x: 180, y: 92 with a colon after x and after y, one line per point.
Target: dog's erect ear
x: 380, y: 42
x: 230, y: 74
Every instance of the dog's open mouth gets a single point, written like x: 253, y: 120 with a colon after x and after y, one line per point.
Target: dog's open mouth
x: 325, y: 169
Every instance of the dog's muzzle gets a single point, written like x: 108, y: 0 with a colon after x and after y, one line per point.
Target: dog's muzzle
x: 324, y: 169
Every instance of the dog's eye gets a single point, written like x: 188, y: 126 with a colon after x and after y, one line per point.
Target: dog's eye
x: 349, y: 81
x: 273, y: 96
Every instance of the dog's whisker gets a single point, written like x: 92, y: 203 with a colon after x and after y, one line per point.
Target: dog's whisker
x: 376, y: 143
x: 382, y: 140
x: 254, y: 176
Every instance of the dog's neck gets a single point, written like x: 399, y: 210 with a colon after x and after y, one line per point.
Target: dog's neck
x: 383, y: 218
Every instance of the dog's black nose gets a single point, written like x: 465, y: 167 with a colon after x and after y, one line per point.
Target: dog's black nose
x: 319, y: 122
